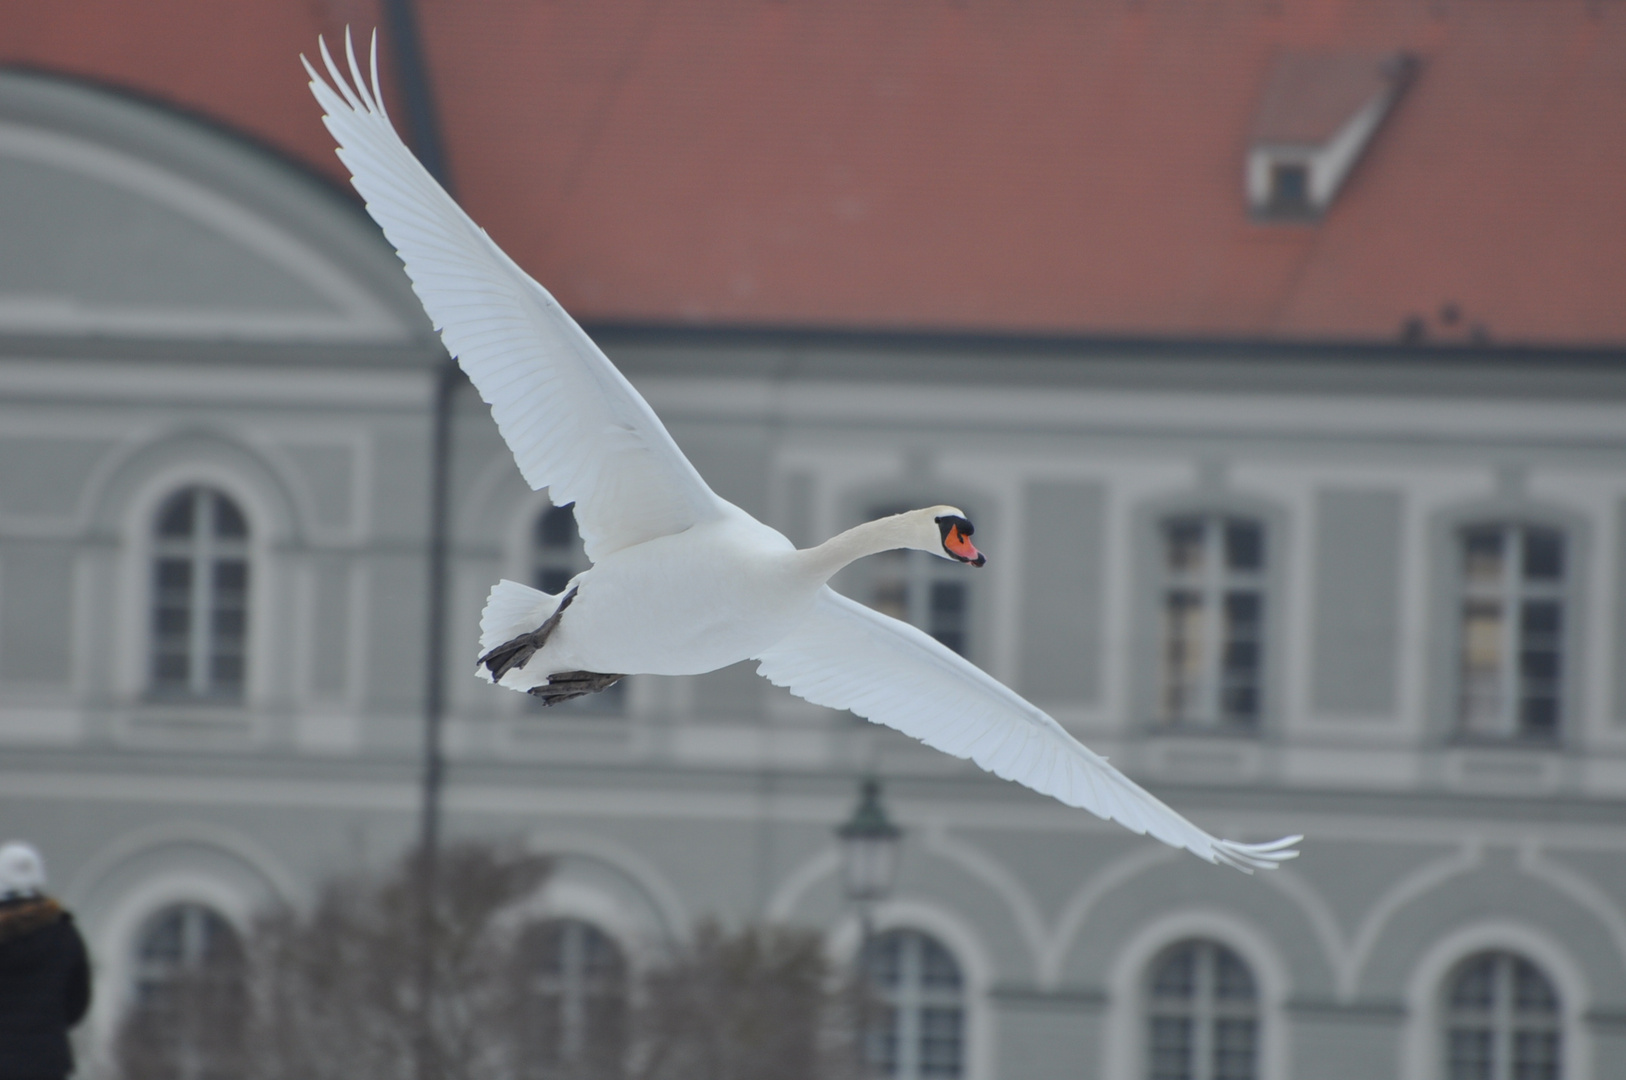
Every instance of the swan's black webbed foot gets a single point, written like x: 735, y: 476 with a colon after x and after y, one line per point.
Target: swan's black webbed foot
x: 567, y: 685
x: 518, y: 651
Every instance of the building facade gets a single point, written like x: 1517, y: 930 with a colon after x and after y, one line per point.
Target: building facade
x: 1376, y: 595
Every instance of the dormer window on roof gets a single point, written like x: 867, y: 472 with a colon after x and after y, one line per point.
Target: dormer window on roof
x: 1318, y: 114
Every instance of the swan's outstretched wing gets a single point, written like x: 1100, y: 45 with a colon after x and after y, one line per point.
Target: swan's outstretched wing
x: 575, y: 425
x: 847, y: 656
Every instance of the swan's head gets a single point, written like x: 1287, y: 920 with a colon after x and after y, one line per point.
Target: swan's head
x: 953, y: 540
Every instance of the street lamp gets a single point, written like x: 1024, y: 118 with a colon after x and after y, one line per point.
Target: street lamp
x: 869, y: 866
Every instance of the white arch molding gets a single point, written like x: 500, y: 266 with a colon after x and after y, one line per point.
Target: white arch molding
x: 1123, y: 1049
x: 267, y: 588
x: 1421, y: 1051
x: 664, y: 902
x: 113, y: 942
x: 360, y: 317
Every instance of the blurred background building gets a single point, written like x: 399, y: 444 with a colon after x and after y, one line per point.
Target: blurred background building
x: 1275, y: 347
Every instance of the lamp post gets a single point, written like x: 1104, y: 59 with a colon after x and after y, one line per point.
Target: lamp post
x: 869, y: 866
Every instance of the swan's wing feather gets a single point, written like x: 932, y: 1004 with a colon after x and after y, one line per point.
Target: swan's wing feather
x: 574, y: 423
x: 846, y: 656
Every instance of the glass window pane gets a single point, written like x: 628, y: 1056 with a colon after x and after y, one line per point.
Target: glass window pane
x: 1177, y: 976
x: 1244, y: 545
x: 174, y: 578
x: 891, y: 593
x: 172, y: 623
x: 1213, y: 621
x: 1483, y: 555
x: 1532, y: 993
x: 1183, y: 654
x: 175, y: 519
x: 1543, y: 554
x: 556, y: 527
x: 948, y: 614
x: 171, y: 670
x: 189, y: 1001
x: 1541, y: 623
x: 226, y: 673
x: 229, y: 523
x: 918, y: 1028
x: 884, y: 1042
x: 162, y: 942
x: 1171, y: 1049
x: 940, y: 1052
x: 1475, y: 985
x: 1512, y: 623
x: 1234, y: 1049
x: 1232, y: 979
x: 194, y: 589
x: 886, y: 960
x: 1535, y: 1055
x: 231, y: 577
x: 938, y: 968
x: 1501, y: 1020
x: 557, y: 553
x: 1469, y: 1055
x: 1185, y: 544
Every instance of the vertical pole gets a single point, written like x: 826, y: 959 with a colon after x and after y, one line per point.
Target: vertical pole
x: 412, y: 79
x: 866, y: 934
x: 434, y: 761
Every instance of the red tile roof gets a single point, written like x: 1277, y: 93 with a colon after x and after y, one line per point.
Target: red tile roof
x: 1068, y: 166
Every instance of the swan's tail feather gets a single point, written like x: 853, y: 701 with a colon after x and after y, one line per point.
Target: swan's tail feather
x: 514, y: 612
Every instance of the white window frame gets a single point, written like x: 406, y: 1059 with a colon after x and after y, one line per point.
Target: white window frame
x: 196, y: 918
x: 1421, y: 1052
x: 907, y: 1002
x: 1197, y: 700
x: 1123, y: 1043
x: 1510, y: 593
x: 573, y: 985
x: 1504, y: 1022
x: 1204, y: 1011
x: 205, y: 552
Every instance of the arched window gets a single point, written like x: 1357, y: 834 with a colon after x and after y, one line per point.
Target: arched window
x: 922, y: 589
x: 1513, y: 589
x: 574, y: 983
x: 919, y: 1031
x: 1213, y: 607
x: 200, y: 597
x: 557, y: 555
x: 187, y: 999
x: 1202, y: 1015
x: 1502, y: 1021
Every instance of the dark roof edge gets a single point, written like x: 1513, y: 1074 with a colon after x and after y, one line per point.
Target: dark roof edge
x: 1063, y: 345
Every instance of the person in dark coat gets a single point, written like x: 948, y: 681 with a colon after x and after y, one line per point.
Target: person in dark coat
x: 44, y: 972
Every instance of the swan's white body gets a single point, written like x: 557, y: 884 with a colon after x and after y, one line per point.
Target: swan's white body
x: 717, y: 593
x: 684, y: 582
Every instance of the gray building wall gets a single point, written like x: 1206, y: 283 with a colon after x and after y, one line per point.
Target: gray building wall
x: 292, y: 370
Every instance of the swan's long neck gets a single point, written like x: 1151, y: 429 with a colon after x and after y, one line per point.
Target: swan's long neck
x: 870, y: 538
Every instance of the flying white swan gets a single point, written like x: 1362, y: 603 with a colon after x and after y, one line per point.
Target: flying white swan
x: 684, y: 582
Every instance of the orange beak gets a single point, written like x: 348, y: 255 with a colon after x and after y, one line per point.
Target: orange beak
x: 962, y: 548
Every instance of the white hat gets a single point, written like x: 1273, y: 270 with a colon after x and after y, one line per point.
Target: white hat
x: 22, y: 871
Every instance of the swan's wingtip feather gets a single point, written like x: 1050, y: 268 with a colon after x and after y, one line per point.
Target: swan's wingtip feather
x: 1250, y: 857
